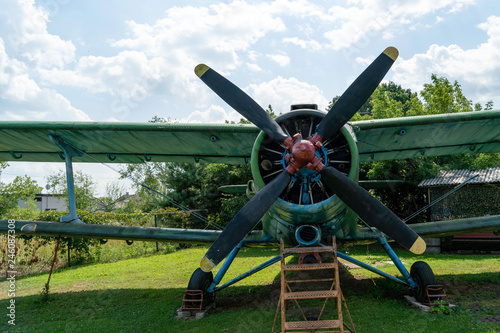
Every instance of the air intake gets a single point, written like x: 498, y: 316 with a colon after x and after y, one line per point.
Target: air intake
x: 308, y: 235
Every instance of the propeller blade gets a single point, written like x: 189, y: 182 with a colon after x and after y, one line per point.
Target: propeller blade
x: 371, y: 210
x: 244, y: 221
x: 240, y: 101
x: 357, y: 94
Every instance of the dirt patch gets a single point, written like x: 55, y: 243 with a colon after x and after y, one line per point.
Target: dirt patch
x: 456, y: 288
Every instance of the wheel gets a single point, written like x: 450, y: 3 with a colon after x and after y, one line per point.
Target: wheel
x: 422, y: 274
x: 201, y: 280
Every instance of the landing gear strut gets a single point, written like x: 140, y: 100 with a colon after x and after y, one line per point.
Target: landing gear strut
x: 422, y: 274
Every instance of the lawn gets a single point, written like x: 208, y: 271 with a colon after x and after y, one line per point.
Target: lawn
x: 143, y: 294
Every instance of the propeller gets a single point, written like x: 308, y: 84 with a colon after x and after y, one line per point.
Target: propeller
x: 353, y: 195
x: 358, y: 199
x: 357, y: 94
x: 244, y: 221
x: 240, y: 101
x: 371, y: 210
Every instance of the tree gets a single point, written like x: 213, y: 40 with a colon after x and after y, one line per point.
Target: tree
x: 391, y: 100
x: 441, y: 96
x: 115, y: 193
x: 192, y: 185
x: 85, y: 189
x: 22, y: 188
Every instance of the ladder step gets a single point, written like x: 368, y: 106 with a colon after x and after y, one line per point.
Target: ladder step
x: 310, y: 294
x: 309, y: 267
x: 308, y: 249
x: 313, y: 324
x: 309, y: 281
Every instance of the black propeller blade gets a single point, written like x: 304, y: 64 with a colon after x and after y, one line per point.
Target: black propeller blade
x: 240, y: 101
x: 371, y: 210
x: 244, y: 221
x: 357, y: 94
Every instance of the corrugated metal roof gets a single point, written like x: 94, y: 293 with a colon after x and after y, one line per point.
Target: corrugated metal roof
x: 456, y: 177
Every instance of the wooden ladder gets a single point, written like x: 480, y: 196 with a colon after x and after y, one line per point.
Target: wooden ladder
x: 316, y: 324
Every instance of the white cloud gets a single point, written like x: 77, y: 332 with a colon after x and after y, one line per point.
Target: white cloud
x: 216, y: 32
x: 160, y: 57
x: 305, y: 44
x: 477, y: 69
x: 25, y: 24
x: 23, y: 99
x: 281, y: 59
x: 26, y: 48
x: 129, y: 74
x: 254, y: 67
x: 356, y: 24
x: 214, y: 114
x: 281, y: 92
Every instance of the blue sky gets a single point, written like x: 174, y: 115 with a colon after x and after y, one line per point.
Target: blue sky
x: 129, y: 61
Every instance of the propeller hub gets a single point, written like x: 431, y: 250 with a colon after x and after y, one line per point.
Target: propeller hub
x: 303, y: 152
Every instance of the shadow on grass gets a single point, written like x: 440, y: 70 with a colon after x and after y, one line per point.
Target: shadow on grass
x: 240, y: 310
x: 133, y: 310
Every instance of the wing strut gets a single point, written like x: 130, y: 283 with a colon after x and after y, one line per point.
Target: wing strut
x: 69, y: 152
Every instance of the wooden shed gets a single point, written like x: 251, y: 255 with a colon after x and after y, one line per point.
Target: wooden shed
x: 478, y: 196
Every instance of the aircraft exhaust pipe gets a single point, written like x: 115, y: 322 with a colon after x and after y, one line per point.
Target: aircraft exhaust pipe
x: 308, y: 235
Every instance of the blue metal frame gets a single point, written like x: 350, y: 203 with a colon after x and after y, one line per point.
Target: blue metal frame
x: 395, y: 259
x: 229, y: 260
x: 69, y: 152
x: 381, y: 240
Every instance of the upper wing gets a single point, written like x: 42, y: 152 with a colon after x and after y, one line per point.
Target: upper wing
x: 128, y: 142
x: 444, y: 134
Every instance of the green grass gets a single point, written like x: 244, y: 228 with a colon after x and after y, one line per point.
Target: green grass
x: 143, y: 294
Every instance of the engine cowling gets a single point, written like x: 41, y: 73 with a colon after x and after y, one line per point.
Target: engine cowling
x: 306, y: 201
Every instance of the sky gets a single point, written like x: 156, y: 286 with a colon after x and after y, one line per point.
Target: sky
x: 128, y: 61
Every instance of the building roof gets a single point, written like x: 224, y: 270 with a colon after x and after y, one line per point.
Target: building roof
x: 456, y: 177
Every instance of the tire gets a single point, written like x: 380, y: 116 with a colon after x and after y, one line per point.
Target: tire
x: 423, y: 276
x: 201, y: 280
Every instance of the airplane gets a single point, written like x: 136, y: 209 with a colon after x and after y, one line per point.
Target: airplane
x: 305, y: 168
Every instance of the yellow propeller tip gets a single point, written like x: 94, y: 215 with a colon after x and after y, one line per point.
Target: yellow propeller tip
x: 418, y: 246
x: 201, y: 69
x: 206, y: 264
x: 392, y: 52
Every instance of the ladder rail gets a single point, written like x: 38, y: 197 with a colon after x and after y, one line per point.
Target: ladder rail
x: 287, y: 294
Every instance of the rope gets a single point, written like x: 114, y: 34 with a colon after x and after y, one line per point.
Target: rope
x: 46, y: 290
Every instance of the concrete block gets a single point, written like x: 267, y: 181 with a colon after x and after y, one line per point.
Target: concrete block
x: 183, y: 314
